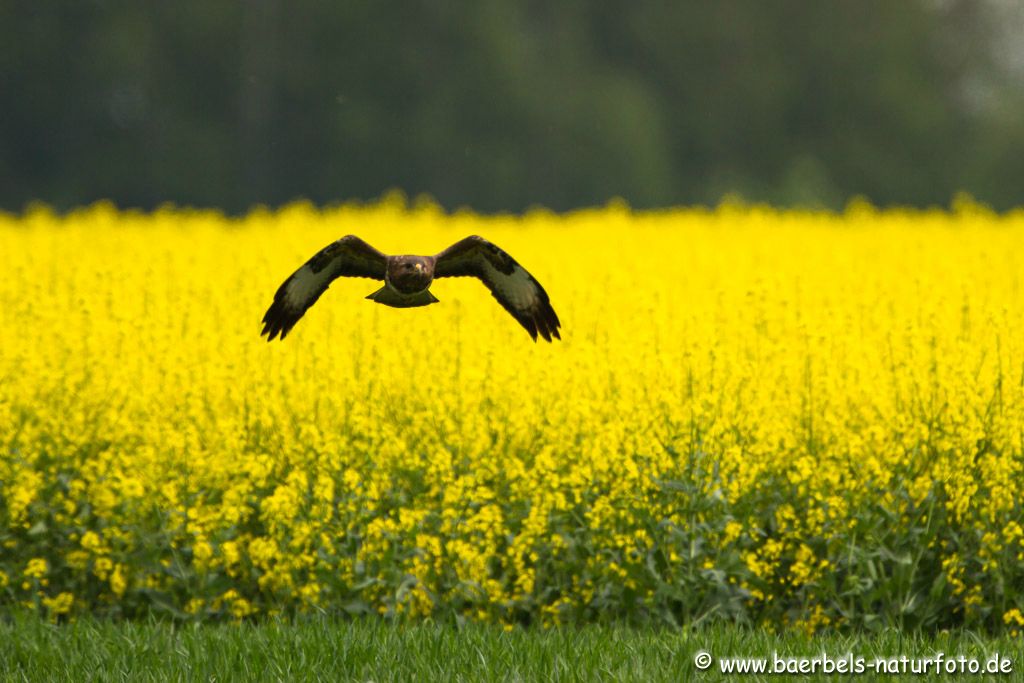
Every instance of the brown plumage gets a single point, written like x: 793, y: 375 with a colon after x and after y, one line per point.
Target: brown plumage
x: 407, y: 281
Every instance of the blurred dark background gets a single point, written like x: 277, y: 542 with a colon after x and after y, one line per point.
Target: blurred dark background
x: 501, y: 105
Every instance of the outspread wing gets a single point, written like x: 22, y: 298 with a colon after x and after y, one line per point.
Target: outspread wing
x: 510, y: 283
x: 349, y: 256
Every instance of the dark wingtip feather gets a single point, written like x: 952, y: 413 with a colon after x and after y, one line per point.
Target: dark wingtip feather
x: 547, y: 322
x: 542, y: 327
x: 278, y: 321
x: 530, y: 326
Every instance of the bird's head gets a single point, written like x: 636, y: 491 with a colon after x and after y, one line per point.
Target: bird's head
x: 411, y: 273
x: 412, y: 265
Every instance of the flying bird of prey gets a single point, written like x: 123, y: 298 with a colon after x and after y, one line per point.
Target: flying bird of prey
x: 407, y: 281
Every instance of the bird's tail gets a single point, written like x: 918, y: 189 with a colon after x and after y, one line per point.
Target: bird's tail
x: 389, y: 297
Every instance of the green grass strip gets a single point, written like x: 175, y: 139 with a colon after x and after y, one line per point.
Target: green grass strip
x: 322, y: 648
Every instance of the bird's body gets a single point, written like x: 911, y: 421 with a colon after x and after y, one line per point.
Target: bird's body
x: 407, y: 280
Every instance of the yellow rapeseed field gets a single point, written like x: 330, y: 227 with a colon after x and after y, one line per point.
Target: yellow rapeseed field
x: 786, y: 418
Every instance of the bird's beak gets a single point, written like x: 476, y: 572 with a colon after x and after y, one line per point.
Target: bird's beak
x: 419, y: 266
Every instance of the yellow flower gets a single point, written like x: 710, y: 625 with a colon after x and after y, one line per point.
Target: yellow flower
x: 102, y: 567
x: 241, y: 608
x: 91, y: 541
x: 803, y: 378
x: 37, y: 568
x: 733, y: 530
x: 237, y: 605
x: 1014, y: 617
x: 118, y: 582
x: 59, y: 604
x: 202, y: 552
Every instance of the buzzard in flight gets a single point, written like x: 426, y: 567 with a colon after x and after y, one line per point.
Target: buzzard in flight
x: 407, y: 281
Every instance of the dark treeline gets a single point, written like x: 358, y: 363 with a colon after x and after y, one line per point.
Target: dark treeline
x: 500, y: 105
